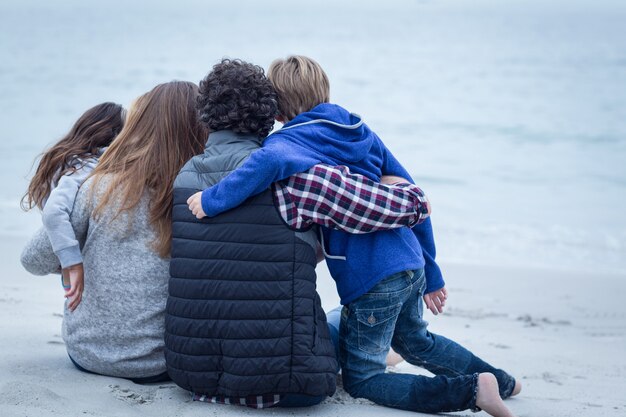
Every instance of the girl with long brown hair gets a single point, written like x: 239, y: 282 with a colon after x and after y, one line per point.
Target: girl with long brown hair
x: 61, y: 171
x: 122, y: 217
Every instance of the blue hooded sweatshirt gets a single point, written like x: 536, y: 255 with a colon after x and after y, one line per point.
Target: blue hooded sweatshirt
x: 331, y: 135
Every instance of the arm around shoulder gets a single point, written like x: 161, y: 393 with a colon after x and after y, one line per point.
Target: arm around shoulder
x: 336, y: 198
x: 261, y: 169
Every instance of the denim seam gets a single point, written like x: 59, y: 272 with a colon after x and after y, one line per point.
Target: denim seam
x: 406, y: 347
x: 472, y: 405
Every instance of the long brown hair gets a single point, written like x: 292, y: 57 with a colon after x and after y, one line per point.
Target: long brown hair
x: 161, y: 133
x: 96, y: 128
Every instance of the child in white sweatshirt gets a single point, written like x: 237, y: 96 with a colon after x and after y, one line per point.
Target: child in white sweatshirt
x: 61, y: 171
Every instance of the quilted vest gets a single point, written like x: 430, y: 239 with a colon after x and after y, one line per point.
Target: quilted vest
x: 243, y: 316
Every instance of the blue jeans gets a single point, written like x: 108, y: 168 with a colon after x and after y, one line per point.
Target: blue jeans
x: 333, y: 317
x: 390, y: 314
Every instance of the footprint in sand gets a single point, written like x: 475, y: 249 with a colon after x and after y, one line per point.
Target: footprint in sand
x: 530, y: 321
x: 551, y: 378
x: 605, y: 315
x: 58, y: 341
x: 131, y: 396
x: 476, y: 314
x: 342, y: 397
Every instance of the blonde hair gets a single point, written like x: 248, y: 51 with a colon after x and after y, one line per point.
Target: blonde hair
x: 300, y: 83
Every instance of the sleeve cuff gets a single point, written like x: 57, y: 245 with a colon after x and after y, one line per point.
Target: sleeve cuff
x: 204, y: 201
x: 434, y: 286
x: 69, y: 256
x: 421, y: 203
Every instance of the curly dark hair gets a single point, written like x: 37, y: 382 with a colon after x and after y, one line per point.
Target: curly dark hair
x: 237, y: 95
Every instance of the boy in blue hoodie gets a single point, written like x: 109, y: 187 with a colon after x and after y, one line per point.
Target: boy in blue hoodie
x: 381, y: 277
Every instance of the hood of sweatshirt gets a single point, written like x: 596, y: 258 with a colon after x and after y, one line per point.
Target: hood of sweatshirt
x: 329, y: 130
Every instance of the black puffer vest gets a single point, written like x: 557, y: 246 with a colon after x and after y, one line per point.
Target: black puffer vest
x: 243, y: 316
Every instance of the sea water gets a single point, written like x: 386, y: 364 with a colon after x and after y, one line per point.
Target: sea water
x: 511, y: 115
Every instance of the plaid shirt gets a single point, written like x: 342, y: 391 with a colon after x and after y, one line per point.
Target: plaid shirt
x: 251, y: 401
x: 335, y: 198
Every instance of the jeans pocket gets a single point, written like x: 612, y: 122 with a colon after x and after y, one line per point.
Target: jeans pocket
x: 375, y: 327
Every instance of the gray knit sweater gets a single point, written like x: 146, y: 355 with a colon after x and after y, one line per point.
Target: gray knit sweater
x: 118, y: 327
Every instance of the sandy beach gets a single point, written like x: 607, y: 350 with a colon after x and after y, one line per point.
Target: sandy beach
x: 510, y: 115
x: 542, y: 326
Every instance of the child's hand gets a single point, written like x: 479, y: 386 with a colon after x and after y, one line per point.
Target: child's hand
x: 76, y: 274
x: 392, y: 179
x: 195, y: 205
x: 436, y: 300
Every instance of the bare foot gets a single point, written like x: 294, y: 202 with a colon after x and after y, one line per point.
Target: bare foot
x: 488, y: 397
x: 393, y: 358
x: 517, y: 388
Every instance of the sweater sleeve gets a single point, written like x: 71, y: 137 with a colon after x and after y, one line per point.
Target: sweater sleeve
x: 261, y: 169
x: 38, y: 256
x: 56, y: 216
x: 423, y: 231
